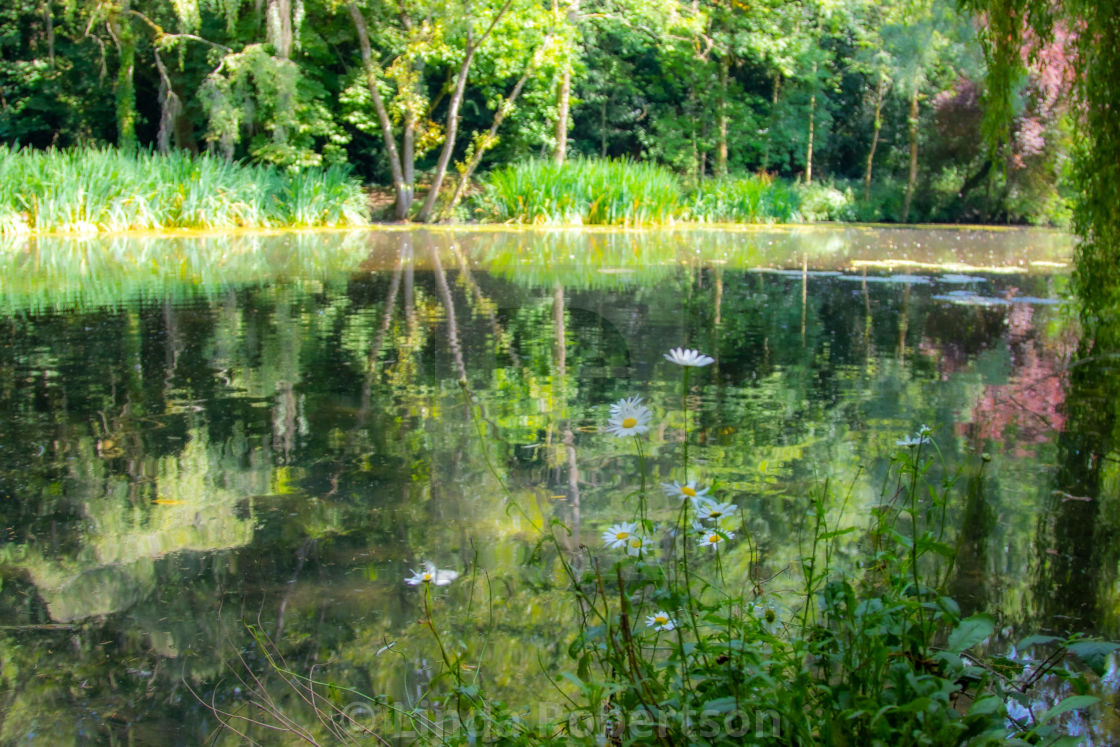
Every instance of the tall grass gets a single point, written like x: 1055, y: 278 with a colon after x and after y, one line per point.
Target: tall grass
x: 103, y: 189
x: 582, y: 192
x: 605, y: 192
x: 753, y: 199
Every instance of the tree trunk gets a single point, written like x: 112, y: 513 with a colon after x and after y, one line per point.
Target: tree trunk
x: 169, y: 107
x: 563, y: 96
x: 449, y: 135
x: 912, y: 179
x: 603, y: 128
x: 280, y: 36
x: 721, y: 154
x: 408, y: 156
x: 879, y: 93
x: 120, y: 28
x: 697, y: 168
x: 489, y: 140
x: 48, y: 17
x: 773, y: 121
x: 400, y: 187
x: 809, y: 146
x: 453, y: 115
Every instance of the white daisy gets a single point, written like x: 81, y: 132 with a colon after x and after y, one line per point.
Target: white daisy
x: 432, y: 575
x: 767, y: 616
x: 626, y: 403
x: 713, y: 510
x: 619, y: 535
x: 660, y: 620
x: 713, y: 538
x: 635, y: 545
x: 911, y: 441
x: 689, y: 490
x: 628, y: 417
x: 683, y: 357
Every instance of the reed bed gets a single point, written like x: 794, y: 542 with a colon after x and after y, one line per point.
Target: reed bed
x: 607, y: 192
x: 582, y: 192
x: 90, y: 189
x: 752, y: 199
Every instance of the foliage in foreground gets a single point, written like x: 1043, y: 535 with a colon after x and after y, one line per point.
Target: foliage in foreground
x: 682, y: 641
x: 104, y: 189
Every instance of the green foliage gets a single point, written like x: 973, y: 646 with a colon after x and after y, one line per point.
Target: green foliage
x: 605, y: 192
x: 100, y: 189
x: 753, y: 199
x: 802, y: 91
x: 582, y: 192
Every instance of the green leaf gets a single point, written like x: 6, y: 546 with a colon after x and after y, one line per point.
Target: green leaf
x: 1035, y: 640
x: 837, y: 533
x: 719, y: 705
x: 985, y: 706
x: 971, y: 631
x: 1066, y: 741
x: 1072, y: 703
x: 575, y: 681
x: 1094, y: 653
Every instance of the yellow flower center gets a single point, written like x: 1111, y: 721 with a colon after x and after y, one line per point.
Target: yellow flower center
x: 660, y: 619
x: 636, y: 542
x: 427, y: 577
x: 629, y: 422
x: 714, y: 538
x: 621, y: 535
x: 690, y: 492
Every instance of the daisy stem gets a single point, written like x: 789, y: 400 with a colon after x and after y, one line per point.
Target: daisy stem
x: 684, y: 405
x: 646, y: 526
x: 914, y: 541
x: 442, y: 651
x: 687, y: 573
x: 719, y: 570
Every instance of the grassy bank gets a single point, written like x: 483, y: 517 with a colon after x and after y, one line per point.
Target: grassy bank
x: 103, y: 189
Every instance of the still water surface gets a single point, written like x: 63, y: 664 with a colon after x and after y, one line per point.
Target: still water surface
x: 203, y: 437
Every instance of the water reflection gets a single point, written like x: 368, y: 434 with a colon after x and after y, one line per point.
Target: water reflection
x: 203, y: 434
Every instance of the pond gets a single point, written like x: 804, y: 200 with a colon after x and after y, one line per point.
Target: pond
x: 215, y: 449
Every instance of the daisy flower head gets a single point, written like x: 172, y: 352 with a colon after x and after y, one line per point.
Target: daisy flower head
x: 432, y: 575
x: 620, y: 535
x: 713, y: 538
x: 629, y: 417
x: 626, y: 403
x: 713, y: 510
x: 689, y: 490
x: 911, y: 441
x: 635, y: 545
x: 683, y: 357
x: 767, y: 616
x: 660, y: 620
